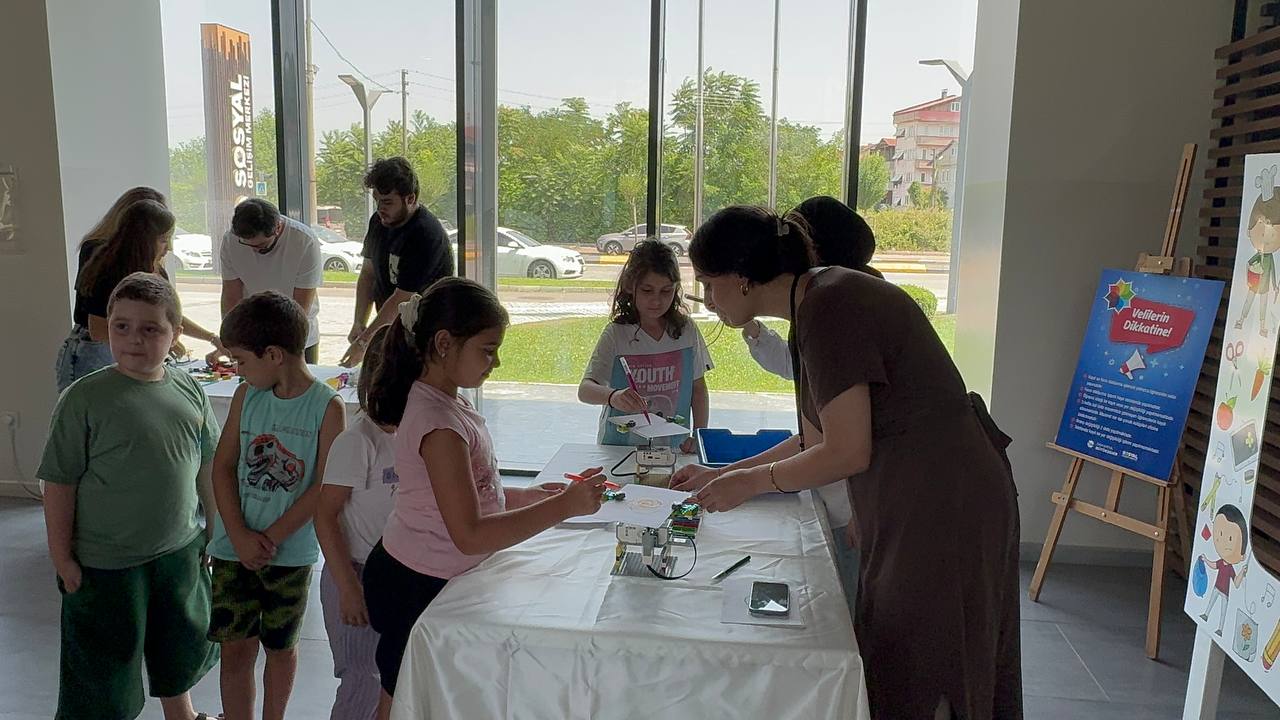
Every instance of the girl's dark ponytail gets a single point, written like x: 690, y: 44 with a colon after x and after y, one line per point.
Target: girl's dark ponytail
x: 393, y: 378
x: 463, y: 308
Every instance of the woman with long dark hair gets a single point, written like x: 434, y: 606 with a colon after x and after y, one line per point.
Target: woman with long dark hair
x: 881, y: 403
x: 138, y: 239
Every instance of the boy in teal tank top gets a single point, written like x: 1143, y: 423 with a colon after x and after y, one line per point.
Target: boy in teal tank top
x: 266, y: 478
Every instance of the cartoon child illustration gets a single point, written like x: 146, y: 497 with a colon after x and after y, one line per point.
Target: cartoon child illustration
x: 271, y: 465
x: 1231, y: 540
x: 1264, y: 235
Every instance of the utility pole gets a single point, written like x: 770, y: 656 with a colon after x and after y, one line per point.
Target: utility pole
x: 310, y: 125
x: 773, y: 111
x: 404, y: 113
x: 697, y: 137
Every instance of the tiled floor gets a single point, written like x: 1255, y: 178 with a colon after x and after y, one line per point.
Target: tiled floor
x: 1081, y: 645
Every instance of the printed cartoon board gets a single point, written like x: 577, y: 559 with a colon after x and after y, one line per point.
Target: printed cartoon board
x: 1230, y: 595
x: 1138, y: 367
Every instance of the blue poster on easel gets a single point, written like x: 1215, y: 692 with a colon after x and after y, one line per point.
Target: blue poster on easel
x: 1138, y: 367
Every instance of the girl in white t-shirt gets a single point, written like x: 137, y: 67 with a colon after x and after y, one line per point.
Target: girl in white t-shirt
x: 667, y: 356
x: 355, y: 501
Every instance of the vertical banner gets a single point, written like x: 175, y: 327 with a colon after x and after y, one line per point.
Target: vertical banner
x: 1230, y: 595
x: 228, y: 126
x: 1139, y: 363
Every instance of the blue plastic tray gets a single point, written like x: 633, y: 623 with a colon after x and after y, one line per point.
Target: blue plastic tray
x: 719, y: 447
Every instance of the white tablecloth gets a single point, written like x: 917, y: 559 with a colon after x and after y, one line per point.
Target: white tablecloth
x: 221, y: 392
x: 542, y: 630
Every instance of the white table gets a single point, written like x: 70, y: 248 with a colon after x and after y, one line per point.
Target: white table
x: 542, y: 630
x: 221, y: 392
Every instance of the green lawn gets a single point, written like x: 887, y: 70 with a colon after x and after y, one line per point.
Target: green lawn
x: 350, y: 277
x: 545, y: 282
x: 556, y: 351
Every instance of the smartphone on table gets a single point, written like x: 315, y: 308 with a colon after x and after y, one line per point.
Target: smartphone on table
x: 770, y: 599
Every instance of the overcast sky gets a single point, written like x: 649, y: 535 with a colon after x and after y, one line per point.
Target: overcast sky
x: 589, y: 48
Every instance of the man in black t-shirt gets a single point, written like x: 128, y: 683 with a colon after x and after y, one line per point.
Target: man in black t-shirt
x: 405, y: 250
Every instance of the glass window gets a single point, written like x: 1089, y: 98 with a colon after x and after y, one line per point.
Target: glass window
x: 521, y: 238
x: 734, y: 145
x: 917, y: 219
x: 406, y: 72
x: 572, y: 152
x: 220, y: 96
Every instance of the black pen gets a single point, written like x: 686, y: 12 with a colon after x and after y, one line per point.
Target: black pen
x: 732, y: 567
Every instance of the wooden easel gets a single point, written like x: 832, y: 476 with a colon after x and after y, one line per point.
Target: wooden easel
x: 1167, y: 490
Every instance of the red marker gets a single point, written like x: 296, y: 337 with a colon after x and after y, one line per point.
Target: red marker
x: 579, y: 478
x: 632, y: 382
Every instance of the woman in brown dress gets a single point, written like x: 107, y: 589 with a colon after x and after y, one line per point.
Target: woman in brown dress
x: 882, y: 404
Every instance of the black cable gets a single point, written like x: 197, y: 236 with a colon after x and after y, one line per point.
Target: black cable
x: 660, y: 576
x: 614, y: 469
x: 719, y: 330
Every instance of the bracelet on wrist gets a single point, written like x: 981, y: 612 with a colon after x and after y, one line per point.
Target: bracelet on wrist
x: 609, y: 401
x: 773, y: 480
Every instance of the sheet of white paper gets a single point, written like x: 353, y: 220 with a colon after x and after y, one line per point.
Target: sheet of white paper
x: 654, y: 427
x: 735, y: 604
x: 644, y: 505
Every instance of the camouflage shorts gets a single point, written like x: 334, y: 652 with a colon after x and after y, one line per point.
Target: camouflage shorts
x: 267, y: 604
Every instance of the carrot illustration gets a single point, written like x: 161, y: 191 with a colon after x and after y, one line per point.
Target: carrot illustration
x: 1264, y: 369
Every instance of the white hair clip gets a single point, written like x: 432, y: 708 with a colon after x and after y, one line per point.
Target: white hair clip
x: 783, y: 227
x: 408, y: 311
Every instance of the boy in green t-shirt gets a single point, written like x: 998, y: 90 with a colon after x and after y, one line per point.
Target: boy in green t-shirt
x: 266, y: 479
x: 127, y: 460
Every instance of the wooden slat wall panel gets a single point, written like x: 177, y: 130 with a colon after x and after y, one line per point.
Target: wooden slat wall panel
x: 1249, y: 106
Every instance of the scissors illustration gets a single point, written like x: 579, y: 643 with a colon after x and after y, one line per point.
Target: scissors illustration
x: 1234, y: 351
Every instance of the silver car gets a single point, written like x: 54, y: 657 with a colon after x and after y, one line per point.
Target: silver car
x: 519, y: 255
x: 674, y: 236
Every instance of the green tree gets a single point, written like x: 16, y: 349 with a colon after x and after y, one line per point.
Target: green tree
x: 340, y: 173
x: 264, y: 153
x: 873, y: 180
x: 736, y: 147
x: 808, y: 164
x: 626, y: 153
x: 189, y: 184
x: 917, y: 195
x: 551, y: 172
x: 911, y: 229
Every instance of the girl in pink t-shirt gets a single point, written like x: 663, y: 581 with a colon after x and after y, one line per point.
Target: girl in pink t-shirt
x: 450, y: 510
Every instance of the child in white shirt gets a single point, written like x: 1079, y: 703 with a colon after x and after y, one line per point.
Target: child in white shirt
x: 356, y: 499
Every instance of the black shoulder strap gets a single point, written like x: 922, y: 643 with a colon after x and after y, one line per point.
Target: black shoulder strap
x: 793, y: 345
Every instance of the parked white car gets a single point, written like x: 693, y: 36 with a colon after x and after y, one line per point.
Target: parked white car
x: 521, y: 256
x: 341, y: 254
x: 193, y: 250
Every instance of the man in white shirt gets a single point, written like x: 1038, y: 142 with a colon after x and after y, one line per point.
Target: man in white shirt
x: 267, y: 251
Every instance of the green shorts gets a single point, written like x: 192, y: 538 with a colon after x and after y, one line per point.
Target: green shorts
x: 267, y: 604
x: 156, y: 613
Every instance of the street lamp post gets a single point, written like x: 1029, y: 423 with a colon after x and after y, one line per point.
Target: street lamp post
x: 366, y: 98
x: 953, y: 271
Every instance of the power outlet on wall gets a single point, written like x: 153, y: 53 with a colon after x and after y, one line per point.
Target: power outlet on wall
x: 9, y: 419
